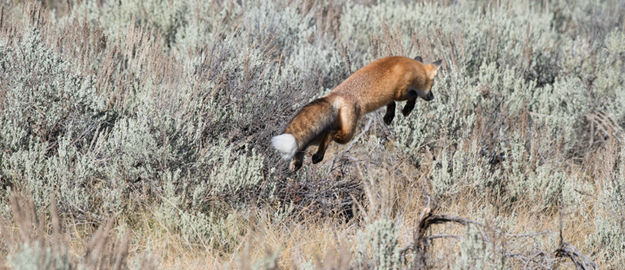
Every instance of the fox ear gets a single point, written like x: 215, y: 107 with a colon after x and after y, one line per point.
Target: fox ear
x: 432, y: 72
x: 418, y: 58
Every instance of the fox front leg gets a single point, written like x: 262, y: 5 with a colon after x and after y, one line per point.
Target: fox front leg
x: 390, y: 113
x: 409, y: 106
x: 412, y: 98
x: 323, y: 145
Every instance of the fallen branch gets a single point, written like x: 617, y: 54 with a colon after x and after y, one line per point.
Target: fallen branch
x: 581, y: 262
x: 421, y: 242
x: 567, y: 250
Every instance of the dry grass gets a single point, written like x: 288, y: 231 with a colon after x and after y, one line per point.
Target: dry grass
x: 327, y: 242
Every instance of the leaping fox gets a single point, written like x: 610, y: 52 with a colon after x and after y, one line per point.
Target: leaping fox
x: 335, y: 116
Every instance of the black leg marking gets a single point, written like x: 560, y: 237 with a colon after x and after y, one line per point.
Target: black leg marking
x: 409, y: 106
x: 297, y: 162
x: 323, y: 145
x: 390, y: 113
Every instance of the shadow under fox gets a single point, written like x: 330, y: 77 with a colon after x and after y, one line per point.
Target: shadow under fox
x: 335, y: 116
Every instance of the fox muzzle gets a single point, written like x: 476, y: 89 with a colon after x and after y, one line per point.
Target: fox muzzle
x: 429, y: 96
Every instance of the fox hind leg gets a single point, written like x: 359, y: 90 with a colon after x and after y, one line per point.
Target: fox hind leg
x: 347, y: 125
x: 323, y: 145
x: 297, y: 161
x: 390, y: 113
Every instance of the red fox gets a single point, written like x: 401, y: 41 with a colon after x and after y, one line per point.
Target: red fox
x: 335, y: 116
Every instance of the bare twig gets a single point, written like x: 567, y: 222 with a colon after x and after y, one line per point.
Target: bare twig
x: 442, y: 235
x: 604, y: 125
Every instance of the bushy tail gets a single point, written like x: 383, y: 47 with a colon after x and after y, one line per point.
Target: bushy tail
x: 310, y: 122
x: 285, y: 144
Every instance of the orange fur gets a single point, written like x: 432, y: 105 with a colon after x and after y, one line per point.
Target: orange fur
x: 335, y: 116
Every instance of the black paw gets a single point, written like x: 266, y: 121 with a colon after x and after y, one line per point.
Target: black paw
x: 388, y: 119
x: 316, y: 158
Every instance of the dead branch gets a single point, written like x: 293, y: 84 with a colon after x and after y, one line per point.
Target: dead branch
x: 567, y: 250
x: 581, y: 262
x: 421, y: 242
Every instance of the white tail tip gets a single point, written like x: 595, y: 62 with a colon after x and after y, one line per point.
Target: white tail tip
x: 285, y: 144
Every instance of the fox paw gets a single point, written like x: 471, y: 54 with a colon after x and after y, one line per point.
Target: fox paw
x: 316, y: 158
x: 295, y: 165
x: 388, y: 119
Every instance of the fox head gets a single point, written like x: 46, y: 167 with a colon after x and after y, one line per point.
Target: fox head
x: 430, y: 71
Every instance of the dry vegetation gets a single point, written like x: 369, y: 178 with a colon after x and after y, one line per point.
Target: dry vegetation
x: 135, y: 134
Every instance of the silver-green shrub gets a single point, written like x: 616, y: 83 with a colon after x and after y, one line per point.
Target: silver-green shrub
x: 477, y: 253
x: 378, y: 246
x: 609, y: 238
x: 196, y: 225
x: 33, y: 256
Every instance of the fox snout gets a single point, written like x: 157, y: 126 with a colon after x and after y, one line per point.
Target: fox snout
x: 429, y: 96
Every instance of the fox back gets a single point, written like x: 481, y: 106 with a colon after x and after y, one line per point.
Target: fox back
x: 388, y: 79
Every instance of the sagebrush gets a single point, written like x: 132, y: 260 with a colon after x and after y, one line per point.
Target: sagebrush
x: 136, y: 134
